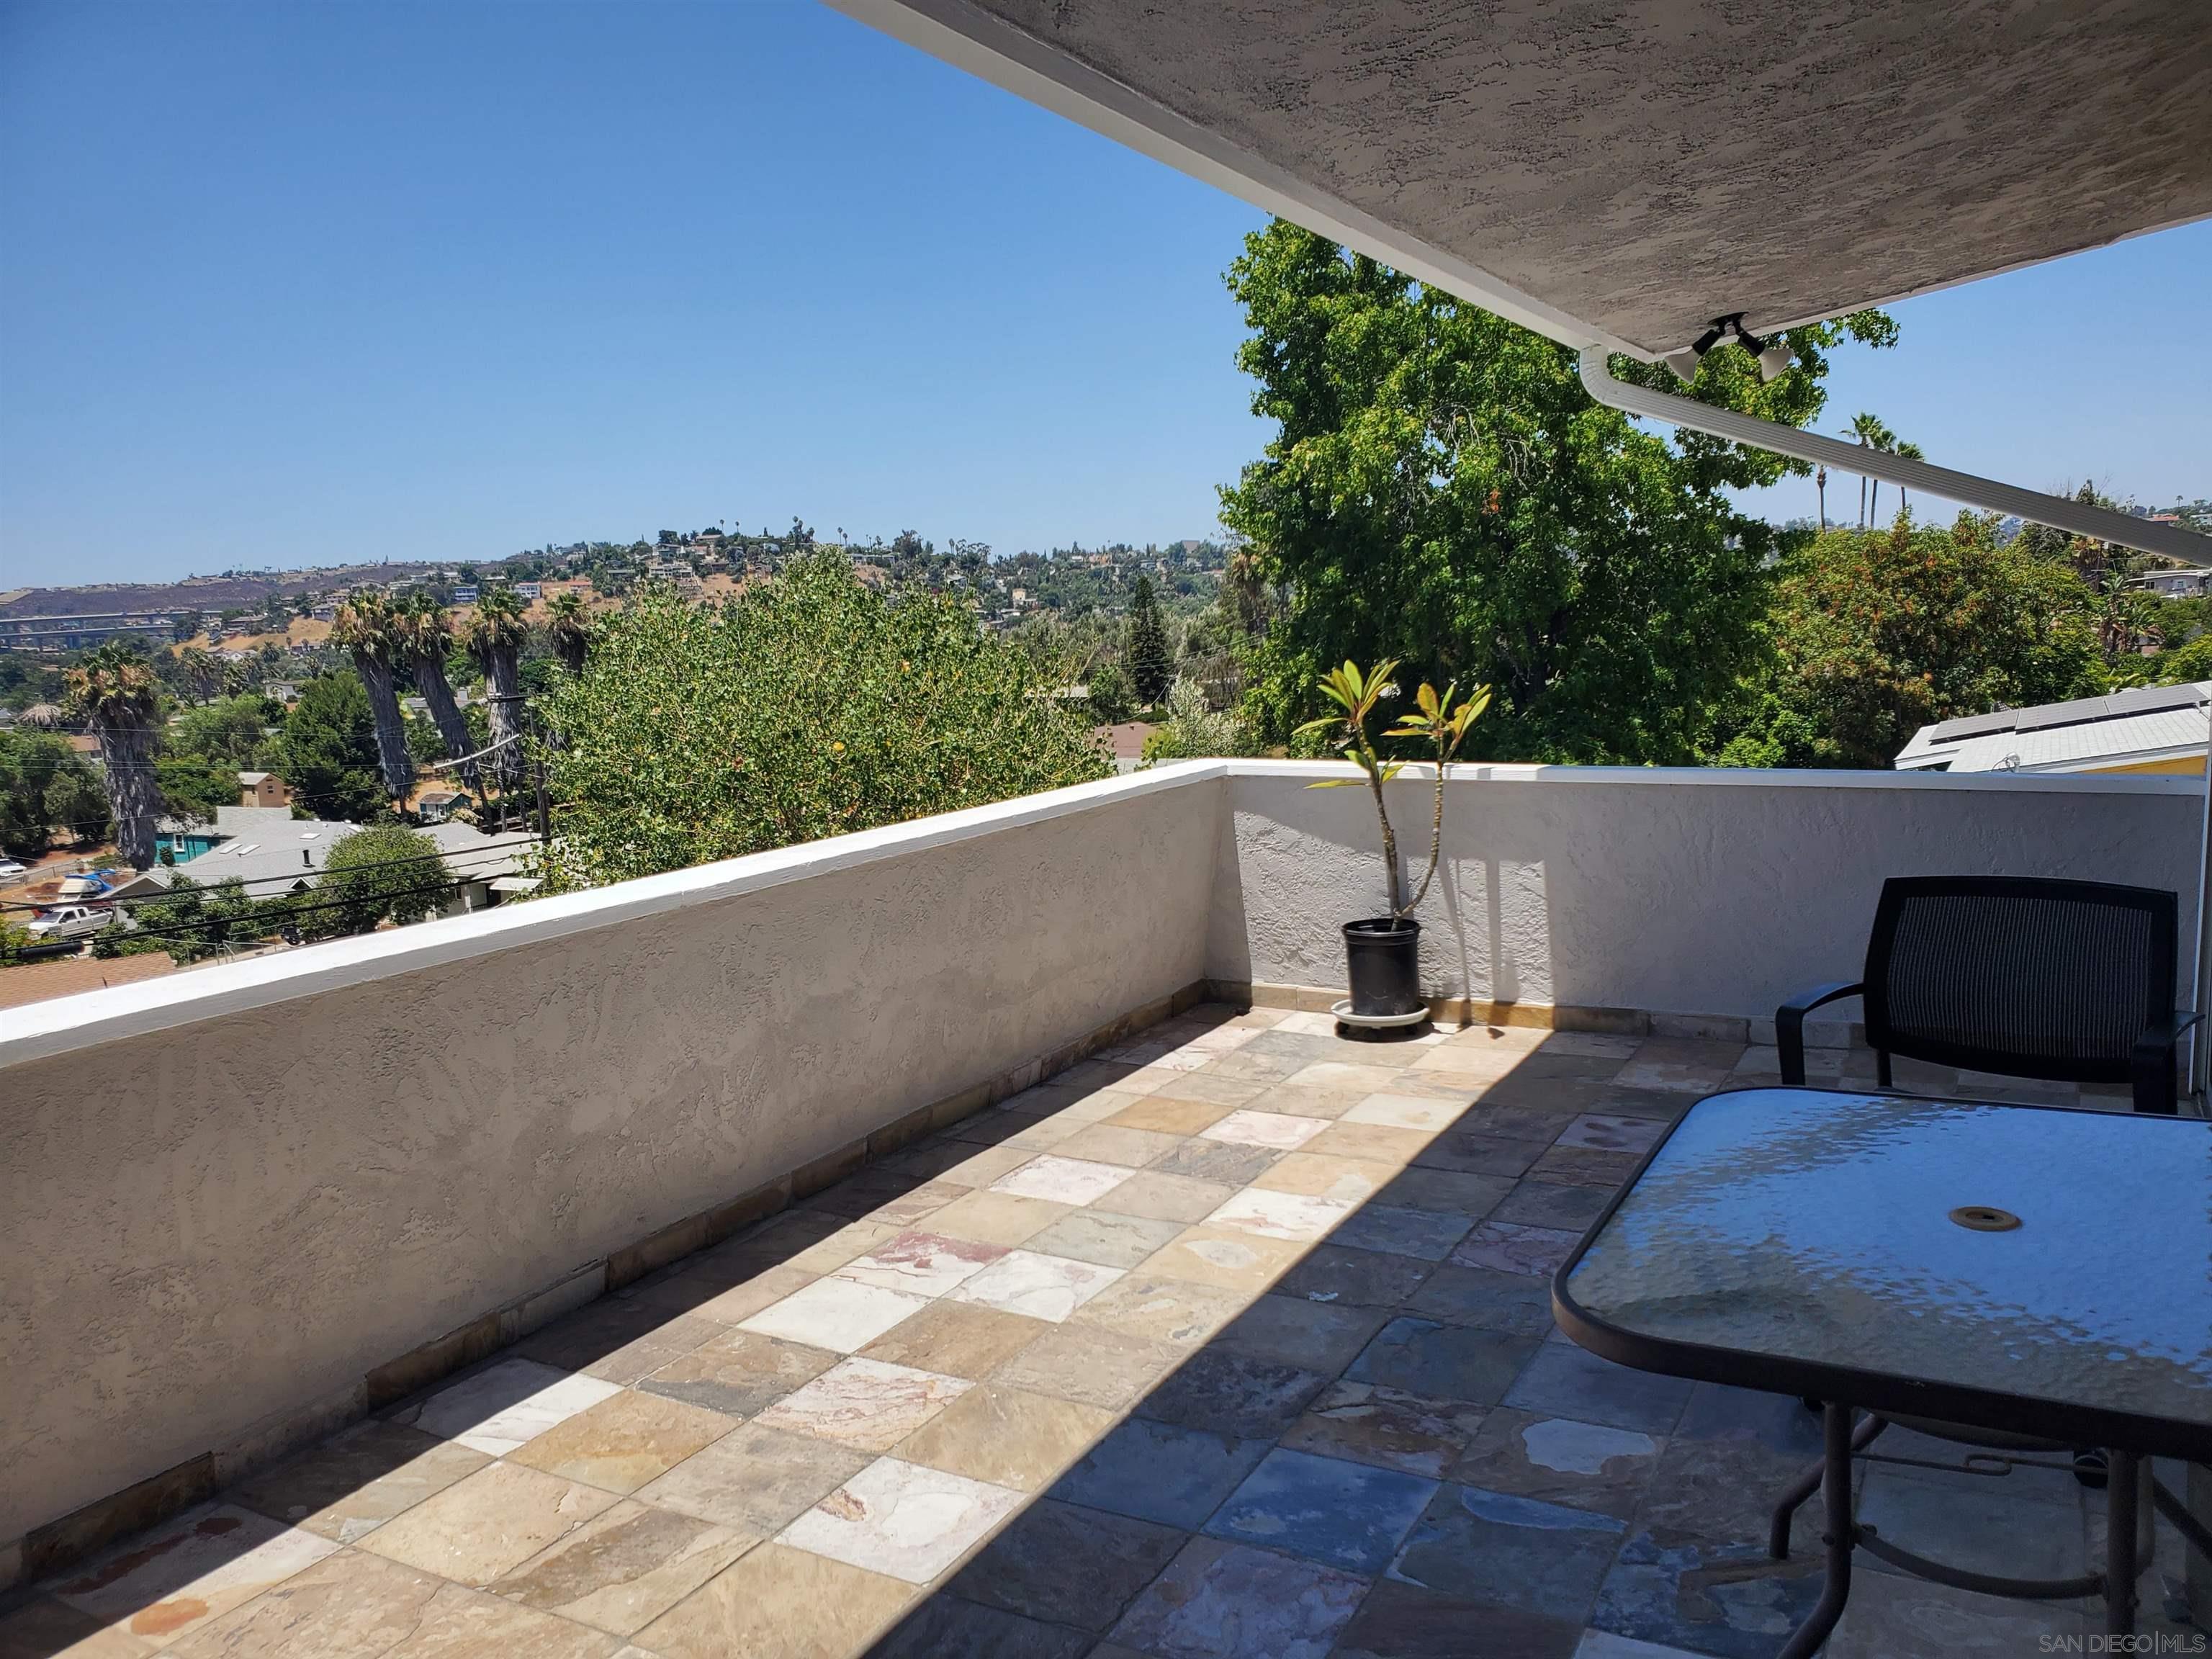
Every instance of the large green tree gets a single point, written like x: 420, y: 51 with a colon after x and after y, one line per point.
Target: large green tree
x: 383, y: 872
x: 806, y: 706
x: 1441, y: 490
x: 45, y: 787
x: 231, y: 731
x: 328, y: 751
x: 1151, y: 665
x: 1878, y: 633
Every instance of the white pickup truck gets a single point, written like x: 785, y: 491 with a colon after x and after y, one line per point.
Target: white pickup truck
x: 70, y: 922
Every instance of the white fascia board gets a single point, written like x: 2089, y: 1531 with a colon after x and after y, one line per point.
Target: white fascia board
x: 992, y: 49
x: 2170, y: 541
x: 2077, y: 765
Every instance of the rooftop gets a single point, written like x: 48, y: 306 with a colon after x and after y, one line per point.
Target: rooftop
x: 1232, y: 1341
x: 2143, y: 727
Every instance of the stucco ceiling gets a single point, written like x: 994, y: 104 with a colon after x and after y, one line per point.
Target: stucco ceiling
x: 1627, y: 171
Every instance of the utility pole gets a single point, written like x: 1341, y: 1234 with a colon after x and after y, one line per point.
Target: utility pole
x: 537, y: 769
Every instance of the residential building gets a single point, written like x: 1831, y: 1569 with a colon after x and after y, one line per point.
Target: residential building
x: 527, y: 590
x: 2188, y: 583
x: 263, y: 789
x: 464, y: 592
x: 436, y: 806
x: 2157, y: 730
x: 181, y: 842
x: 678, y: 574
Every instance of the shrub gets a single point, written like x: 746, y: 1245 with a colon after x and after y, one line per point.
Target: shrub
x: 807, y: 707
x: 1194, y: 731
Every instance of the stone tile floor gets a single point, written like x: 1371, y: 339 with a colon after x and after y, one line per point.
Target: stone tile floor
x: 1233, y: 1341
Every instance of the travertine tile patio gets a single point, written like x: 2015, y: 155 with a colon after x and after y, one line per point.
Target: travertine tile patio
x: 1234, y: 1342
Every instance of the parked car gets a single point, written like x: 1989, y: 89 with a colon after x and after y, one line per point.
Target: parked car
x: 70, y: 922
x: 10, y: 870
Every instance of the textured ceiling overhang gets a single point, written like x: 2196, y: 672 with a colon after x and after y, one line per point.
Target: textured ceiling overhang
x: 1621, y: 173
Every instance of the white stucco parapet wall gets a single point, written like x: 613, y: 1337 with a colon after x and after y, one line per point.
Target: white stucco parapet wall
x: 229, y: 1196
x: 1702, y: 892
x: 2102, y: 825
x: 66, y: 1023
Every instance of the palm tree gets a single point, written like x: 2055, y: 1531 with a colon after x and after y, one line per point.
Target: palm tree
x: 205, y: 672
x: 496, y: 634
x: 569, y: 628
x: 367, y: 627
x: 1871, y: 435
x: 1910, y: 453
x: 113, y: 688
x: 1885, y: 441
x: 425, y: 634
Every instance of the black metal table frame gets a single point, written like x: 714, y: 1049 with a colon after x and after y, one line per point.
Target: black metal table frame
x: 1842, y: 1390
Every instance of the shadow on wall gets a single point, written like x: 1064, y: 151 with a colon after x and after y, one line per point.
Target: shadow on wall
x: 1680, y: 892
x: 1486, y: 923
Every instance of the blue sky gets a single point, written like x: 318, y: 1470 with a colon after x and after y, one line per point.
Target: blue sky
x: 283, y: 283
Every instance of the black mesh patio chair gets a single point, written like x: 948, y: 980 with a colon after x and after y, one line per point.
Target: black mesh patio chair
x: 2066, y: 981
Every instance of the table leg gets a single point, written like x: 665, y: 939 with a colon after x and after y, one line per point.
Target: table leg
x: 2121, y: 1521
x: 1840, y: 1533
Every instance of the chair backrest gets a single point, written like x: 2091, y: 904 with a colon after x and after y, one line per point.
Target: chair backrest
x: 2019, y: 976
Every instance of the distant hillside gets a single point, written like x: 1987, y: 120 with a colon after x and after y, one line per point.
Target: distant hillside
x: 194, y: 592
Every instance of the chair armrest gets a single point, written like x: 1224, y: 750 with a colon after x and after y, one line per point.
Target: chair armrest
x: 1789, y: 1023
x: 2152, y: 1062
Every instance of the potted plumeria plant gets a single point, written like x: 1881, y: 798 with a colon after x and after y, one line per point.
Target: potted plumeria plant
x: 1383, y: 954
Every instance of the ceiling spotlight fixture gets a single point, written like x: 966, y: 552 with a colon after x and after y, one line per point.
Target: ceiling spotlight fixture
x: 1685, y: 362
x: 1772, y: 353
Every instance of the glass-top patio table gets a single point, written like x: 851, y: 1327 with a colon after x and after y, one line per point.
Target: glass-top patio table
x: 2019, y: 1270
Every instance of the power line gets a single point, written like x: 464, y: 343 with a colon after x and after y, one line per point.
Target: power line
x: 179, y: 929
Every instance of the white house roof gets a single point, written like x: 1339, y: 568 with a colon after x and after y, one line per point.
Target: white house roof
x: 272, y: 859
x: 232, y: 821
x: 471, y: 854
x: 1621, y: 175
x: 2138, y: 728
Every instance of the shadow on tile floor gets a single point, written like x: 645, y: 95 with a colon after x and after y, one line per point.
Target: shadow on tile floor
x: 1235, y: 1342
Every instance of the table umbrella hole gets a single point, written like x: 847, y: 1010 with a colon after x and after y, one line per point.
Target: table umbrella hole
x: 1984, y: 1218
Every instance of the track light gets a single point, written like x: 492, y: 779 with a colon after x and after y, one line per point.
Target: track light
x: 1772, y: 353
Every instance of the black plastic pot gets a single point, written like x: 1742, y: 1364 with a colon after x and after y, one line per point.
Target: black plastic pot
x: 1383, y: 954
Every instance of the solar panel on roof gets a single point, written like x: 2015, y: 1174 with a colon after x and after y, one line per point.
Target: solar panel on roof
x: 1973, y: 725
x: 2142, y: 700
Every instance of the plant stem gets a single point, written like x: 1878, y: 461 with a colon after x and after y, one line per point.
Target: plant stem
x: 1374, y: 770
x: 1435, y: 836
